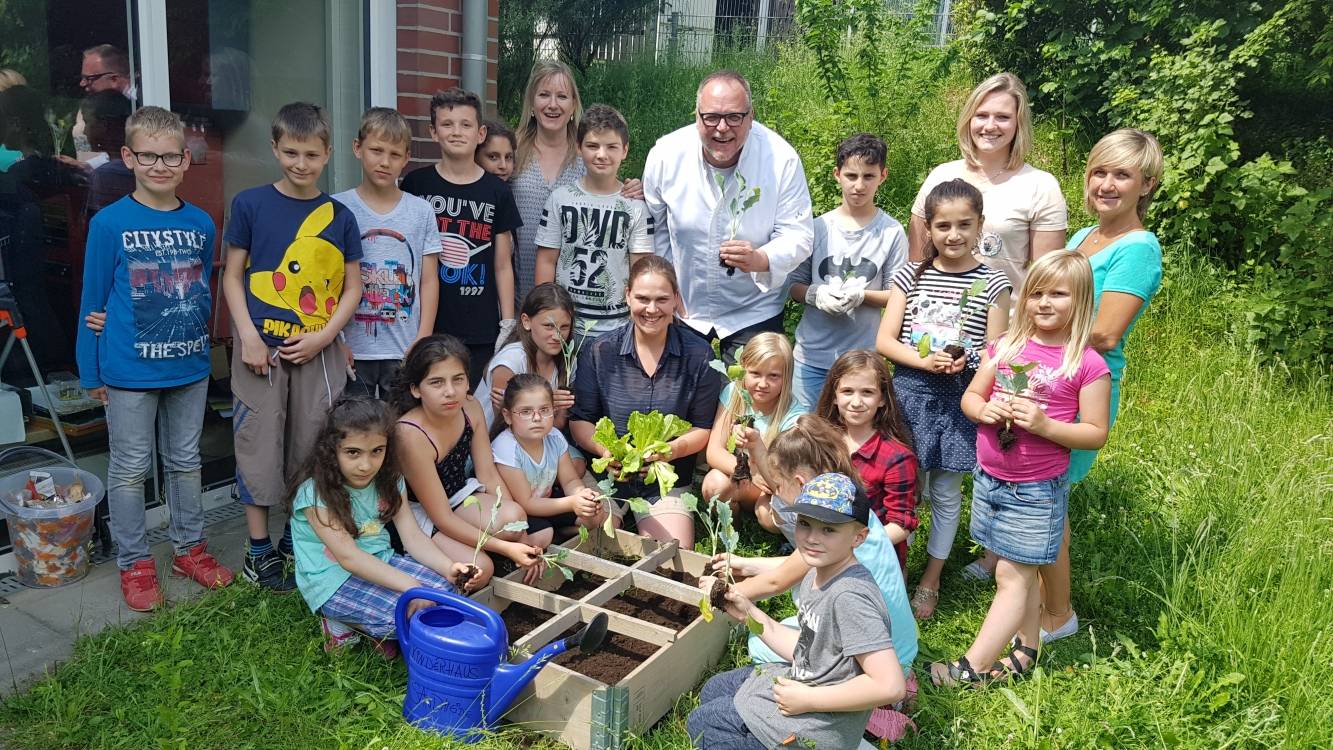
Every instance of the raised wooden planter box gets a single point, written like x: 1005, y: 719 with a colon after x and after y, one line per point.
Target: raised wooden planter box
x: 578, y: 710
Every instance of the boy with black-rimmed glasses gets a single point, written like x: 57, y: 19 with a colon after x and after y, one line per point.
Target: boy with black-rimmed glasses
x: 147, y: 267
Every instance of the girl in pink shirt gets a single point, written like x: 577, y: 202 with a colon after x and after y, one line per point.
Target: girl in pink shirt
x: 1031, y: 386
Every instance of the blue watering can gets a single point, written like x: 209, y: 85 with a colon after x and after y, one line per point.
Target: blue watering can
x: 458, y: 678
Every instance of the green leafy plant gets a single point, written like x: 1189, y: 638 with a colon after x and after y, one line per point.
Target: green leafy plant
x: 648, y: 436
x: 741, y: 201
x: 735, y: 374
x: 555, y: 560
x: 607, y: 498
x: 722, y: 537
x: 569, y: 349
x: 1015, y: 383
x: 487, y: 533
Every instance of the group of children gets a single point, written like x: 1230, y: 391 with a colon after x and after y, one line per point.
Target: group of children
x: 403, y: 290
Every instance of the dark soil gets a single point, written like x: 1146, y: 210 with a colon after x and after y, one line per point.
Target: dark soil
x: 1006, y: 437
x: 612, y: 662
x: 467, y: 575
x: 742, y: 472
x: 717, y: 596
x: 637, y: 603
x: 955, y: 351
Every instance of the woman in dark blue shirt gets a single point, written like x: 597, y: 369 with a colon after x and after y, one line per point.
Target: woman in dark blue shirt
x: 656, y: 363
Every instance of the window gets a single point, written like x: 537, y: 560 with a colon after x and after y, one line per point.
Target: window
x: 226, y: 66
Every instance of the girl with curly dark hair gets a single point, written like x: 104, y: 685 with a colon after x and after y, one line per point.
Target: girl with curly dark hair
x: 346, y: 492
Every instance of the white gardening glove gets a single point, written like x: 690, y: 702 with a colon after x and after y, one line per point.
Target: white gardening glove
x: 506, y: 328
x: 853, y: 293
x: 826, y: 297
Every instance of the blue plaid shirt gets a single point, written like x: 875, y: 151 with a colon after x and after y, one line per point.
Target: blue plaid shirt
x: 611, y: 382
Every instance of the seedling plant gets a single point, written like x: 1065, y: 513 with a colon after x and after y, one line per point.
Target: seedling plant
x: 486, y: 534
x: 735, y: 374
x: 555, y: 560
x: 722, y: 537
x: 961, y: 342
x: 1015, y: 384
x: 569, y: 349
x: 744, y: 199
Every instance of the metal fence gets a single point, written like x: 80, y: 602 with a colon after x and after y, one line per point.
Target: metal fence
x: 693, y: 30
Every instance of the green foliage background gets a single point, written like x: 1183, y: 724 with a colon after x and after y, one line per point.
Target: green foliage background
x: 1241, y: 97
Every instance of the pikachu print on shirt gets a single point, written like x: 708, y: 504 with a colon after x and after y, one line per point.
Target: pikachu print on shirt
x: 307, y: 281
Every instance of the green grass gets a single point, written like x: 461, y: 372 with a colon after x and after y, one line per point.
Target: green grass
x: 1201, y: 562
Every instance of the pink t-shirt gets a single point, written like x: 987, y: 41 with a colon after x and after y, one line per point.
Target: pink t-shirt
x: 1033, y: 458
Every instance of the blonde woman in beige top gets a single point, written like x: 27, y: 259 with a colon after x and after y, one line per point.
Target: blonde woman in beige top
x: 1026, y: 215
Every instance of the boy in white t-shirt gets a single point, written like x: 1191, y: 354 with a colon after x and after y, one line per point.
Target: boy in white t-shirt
x: 399, y: 245
x: 845, y: 281
x: 589, y: 233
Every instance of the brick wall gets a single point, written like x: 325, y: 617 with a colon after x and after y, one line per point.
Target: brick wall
x: 430, y: 35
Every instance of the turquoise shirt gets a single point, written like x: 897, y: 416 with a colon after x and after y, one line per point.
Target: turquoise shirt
x: 318, y: 573
x: 761, y: 420
x: 8, y: 158
x: 1130, y: 265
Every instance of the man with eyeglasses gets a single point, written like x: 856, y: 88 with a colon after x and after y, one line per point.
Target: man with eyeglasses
x: 105, y: 68
x: 732, y: 207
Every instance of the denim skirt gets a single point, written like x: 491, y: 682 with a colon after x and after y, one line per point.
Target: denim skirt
x: 1019, y: 521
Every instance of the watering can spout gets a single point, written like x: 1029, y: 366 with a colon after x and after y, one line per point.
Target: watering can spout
x: 510, y: 679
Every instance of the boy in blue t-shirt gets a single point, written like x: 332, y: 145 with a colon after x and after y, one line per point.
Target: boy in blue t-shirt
x: 400, y: 246
x: 291, y: 283
x: 145, y: 284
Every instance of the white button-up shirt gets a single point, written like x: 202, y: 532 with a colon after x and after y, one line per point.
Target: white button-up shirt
x: 693, y: 219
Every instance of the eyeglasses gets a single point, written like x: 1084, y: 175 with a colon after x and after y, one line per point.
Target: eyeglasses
x: 533, y: 415
x: 85, y: 80
x: 148, y: 158
x: 713, y: 119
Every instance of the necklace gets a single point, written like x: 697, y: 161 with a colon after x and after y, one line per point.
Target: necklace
x: 1098, y: 239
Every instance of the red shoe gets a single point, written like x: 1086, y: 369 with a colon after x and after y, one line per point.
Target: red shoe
x: 201, y: 567
x: 139, y: 586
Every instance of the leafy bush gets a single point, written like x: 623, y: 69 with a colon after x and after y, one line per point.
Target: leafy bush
x: 1083, y: 60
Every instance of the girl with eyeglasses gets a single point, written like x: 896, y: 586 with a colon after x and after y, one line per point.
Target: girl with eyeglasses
x: 533, y: 458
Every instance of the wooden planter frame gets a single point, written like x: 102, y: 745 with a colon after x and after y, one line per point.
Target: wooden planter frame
x: 579, y: 711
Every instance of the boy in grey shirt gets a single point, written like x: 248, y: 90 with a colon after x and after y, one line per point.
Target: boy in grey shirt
x: 845, y: 282
x: 842, y: 659
x: 400, y: 285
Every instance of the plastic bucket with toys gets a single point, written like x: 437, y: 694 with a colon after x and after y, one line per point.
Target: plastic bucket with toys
x: 49, y: 505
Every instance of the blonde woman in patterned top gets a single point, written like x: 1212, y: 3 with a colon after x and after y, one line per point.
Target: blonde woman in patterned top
x: 547, y: 158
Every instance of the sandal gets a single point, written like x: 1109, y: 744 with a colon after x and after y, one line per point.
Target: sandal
x: 924, y: 601
x: 955, y: 673
x: 1014, y: 670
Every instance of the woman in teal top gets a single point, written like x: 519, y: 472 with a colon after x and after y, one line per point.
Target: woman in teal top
x: 1124, y: 171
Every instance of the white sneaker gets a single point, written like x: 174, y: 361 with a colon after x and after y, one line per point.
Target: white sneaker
x: 976, y: 571
x: 1064, y: 631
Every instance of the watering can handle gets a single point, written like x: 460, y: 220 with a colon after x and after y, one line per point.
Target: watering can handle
x: 457, y: 601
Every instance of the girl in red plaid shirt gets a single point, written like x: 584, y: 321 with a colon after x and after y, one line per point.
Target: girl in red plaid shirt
x: 858, y: 399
